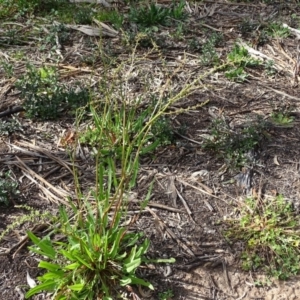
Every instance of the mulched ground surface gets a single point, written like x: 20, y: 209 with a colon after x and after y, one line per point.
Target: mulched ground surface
x: 194, y: 187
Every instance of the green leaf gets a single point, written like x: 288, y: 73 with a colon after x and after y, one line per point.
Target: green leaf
x: 116, y: 245
x: 125, y: 281
x: 52, y: 275
x: 76, y: 287
x: 84, y: 262
x: 67, y: 254
x: 161, y: 260
x: 132, y: 239
x: 135, y: 280
x: 88, y: 252
x: 132, y: 265
x: 63, y: 215
x: 43, y: 73
x: 46, y: 286
x: 72, y: 266
x: 150, y: 147
x: 131, y: 256
x: 49, y: 266
x: 143, y: 248
x: 44, y: 245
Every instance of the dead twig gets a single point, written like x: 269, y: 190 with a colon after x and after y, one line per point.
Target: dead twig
x: 29, y: 173
x: 170, y: 232
x: 48, y: 154
x: 201, y: 190
x: 185, y: 206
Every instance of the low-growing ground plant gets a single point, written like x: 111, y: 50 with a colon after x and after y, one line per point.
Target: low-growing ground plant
x: 167, y: 295
x: 277, y: 30
x: 99, y: 256
x: 84, y: 15
x: 269, y: 230
x: 112, y: 16
x: 240, y: 59
x: 270, y: 68
x: 58, y: 35
x: 44, y: 97
x: 8, y: 188
x: 209, y: 54
x: 8, y: 69
x: 282, y: 118
x: 234, y: 145
x: 154, y: 14
x: 9, y: 127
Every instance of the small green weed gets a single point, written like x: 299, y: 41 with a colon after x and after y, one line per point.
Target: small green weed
x: 276, y: 30
x: 240, y: 59
x: 179, y: 33
x: 236, y: 74
x: 45, y: 98
x: 9, y: 127
x: 269, y: 230
x: 84, y: 15
x: 111, y: 16
x: 209, y: 54
x: 194, y: 44
x: 57, y: 33
x: 269, y: 68
x: 247, y: 26
x: 167, y: 295
x: 11, y: 35
x: 234, y: 146
x: 8, y: 188
x: 282, y: 118
x: 151, y: 15
x: 18, y: 55
x: 8, y: 68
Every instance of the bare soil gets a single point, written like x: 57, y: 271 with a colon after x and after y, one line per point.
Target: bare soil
x: 194, y: 188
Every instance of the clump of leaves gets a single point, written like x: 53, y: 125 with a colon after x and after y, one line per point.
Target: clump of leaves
x: 247, y: 26
x: 58, y: 35
x: 45, y: 97
x: 156, y: 15
x: 112, y: 16
x: 277, y: 30
x: 96, y: 260
x: 84, y: 15
x: 8, y: 69
x: 20, y: 7
x: 112, y: 140
x: 234, y: 146
x: 240, y: 59
x: 25, y: 7
x: 270, y: 68
x: 208, y: 49
x: 167, y: 295
x: 8, y: 188
x: 282, y: 118
x: 9, y: 127
x: 269, y: 229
